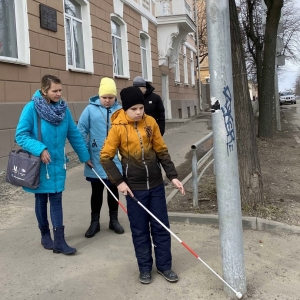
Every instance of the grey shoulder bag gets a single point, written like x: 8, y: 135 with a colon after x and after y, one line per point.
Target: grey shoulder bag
x: 23, y: 168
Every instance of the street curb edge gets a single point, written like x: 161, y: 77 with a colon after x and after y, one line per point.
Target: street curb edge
x: 251, y: 223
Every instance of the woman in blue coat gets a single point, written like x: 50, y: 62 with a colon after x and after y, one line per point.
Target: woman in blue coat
x: 57, y: 125
x: 94, y: 124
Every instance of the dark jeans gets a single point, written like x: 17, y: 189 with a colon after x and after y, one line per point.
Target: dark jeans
x: 97, y: 196
x: 154, y: 200
x: 56, y: 212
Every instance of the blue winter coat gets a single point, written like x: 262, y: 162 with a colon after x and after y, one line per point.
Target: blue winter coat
x: 94, y: 124
x: 54, y: 139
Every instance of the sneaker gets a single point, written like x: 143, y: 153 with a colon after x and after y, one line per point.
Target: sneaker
x: 145, y: 277
x: 169, y: 275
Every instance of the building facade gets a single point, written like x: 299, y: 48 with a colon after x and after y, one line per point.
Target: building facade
x: 81, y: 41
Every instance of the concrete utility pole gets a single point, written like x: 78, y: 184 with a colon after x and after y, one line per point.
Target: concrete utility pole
x: 279, y: 61
x: 225, y: 148
x: 276, y: 99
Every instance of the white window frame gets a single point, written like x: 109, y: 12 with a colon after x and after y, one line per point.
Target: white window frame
x: 22, y: 30
x: 148, y: 56
x: 185, y: 67
x: 87, y: 38
x: 192, y: 68
x: 124, y: 42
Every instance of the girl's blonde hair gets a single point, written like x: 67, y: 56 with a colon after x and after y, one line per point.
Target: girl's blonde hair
x: 46, y: 84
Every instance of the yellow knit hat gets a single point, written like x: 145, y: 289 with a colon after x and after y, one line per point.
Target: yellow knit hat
x: 107, y: 87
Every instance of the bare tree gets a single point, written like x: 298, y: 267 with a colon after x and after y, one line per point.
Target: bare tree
x: 297, y: 85
x: 249, y: 165
x: 291, y: 34
x: 250, y: 17
x: 260, y: 40
x: 266, y: 102
x: 291, y: 31
x: 252, y: 32
x: 202, y: 30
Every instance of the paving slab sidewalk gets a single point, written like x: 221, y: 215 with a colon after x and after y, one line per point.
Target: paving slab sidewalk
x: 105, y: 266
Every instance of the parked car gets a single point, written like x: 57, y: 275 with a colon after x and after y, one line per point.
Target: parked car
x: 287, y: 97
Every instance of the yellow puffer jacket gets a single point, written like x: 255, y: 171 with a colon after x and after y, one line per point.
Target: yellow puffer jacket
x: 142, y: 150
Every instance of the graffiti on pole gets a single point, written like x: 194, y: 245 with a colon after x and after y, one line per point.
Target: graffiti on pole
x: 228, y: 120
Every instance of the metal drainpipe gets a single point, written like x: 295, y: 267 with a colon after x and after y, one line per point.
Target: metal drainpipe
x: 198, y: 59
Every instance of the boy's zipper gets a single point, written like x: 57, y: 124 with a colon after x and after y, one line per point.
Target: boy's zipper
x: 107, y: 120
x: 126, y: 171
x: 143, y: 155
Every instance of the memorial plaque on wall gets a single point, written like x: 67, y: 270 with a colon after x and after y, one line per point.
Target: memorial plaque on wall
x: 48, y: 18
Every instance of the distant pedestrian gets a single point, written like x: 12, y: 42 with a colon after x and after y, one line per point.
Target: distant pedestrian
x: 57, y: 125
x: 141, y: 147
x: 94, y: 125
x: 153, y: 104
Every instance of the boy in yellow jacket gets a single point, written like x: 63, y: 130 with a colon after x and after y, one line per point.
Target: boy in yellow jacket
x: 143, y: 150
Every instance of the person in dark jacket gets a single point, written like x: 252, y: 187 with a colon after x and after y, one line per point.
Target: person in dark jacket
x: 137, y: 137
x: 153, y: 104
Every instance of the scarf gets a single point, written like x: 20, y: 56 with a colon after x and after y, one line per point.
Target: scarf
x: 53, y: 113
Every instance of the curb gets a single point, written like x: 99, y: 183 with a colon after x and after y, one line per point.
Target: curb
x: 251, y: 223
x: 183, y: 121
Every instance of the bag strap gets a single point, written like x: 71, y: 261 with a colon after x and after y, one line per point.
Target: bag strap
x: 39, y: 129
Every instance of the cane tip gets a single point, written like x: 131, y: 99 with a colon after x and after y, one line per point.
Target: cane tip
x: 239, y: 295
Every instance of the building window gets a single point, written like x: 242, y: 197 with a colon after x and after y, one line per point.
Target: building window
x: 78, y: 35
x: 146, y: 56
x: 119, y: 47
x: 14, y: 35
x: 185, y: 67
x: 8, y: 31
x: 74, y: 34
x: 192, y: 68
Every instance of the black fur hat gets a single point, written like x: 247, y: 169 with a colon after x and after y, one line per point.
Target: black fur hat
x: 131, y: 96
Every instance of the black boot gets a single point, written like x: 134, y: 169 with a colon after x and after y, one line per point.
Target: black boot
x: 114, y: 223
x: 60, y: 245
x: 94, y: 227
x: 46, y: 240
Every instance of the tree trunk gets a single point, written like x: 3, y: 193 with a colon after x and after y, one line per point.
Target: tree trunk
x: 266, y: 103
x: 297, y: 85
x: 249, y: 166
x: 259, y: 64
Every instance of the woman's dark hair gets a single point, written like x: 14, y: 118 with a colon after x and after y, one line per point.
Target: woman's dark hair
x: 46, y: 84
